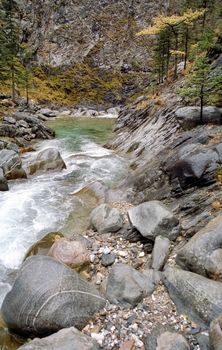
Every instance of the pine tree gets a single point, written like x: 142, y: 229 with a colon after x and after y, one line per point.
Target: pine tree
x: 198, y: 84
x: 173, y: 25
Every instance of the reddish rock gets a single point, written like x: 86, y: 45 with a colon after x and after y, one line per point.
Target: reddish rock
x: 128, y: 345
x: 71, y: 253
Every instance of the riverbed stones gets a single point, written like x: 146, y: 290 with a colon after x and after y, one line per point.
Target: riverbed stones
x: 48, y: 296
x: 189, y: 117
x: 203, y: 253
x: 105, y: 219
x: 160, y: 252
x: 48, y: 159
x: 71, y: 253
x: 65, y: 339
x: 195, y: 295
x: 127, y: 286
x: 216, y: 333
x: 153, y: 219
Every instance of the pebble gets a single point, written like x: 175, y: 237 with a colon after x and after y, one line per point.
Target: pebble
x: 122, y: 254
x: 108, y: 259
x: 141, y: 255
x: 99, y: 337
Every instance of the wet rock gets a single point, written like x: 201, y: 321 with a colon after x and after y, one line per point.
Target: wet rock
x: 127, y: 286
x: 203, y: 253
x: 11, y: 164
x: 216, y: 333
x: 106, y: 219
x: 108, y: 259
x: 47, y: 297
x: 71, y: 253
x: 193, y: 294
x: 163, y: 338
x: 66, y: 339
x: 46, y: 160
x: 160, y: 252
x: 189, y: 117
x: 152, y: 219
x: 43, y: 246
x: 3, y: 181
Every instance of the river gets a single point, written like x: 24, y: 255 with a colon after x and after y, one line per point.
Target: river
x: 44, y: 203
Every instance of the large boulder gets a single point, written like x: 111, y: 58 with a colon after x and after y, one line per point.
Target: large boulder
x: 11, y: 164
x: 66, y: 339
x: 48, y: 296
x: 46, y: 160
x: 127, y: 286
x: 43, y: 245
x: 203, y: 253
x: 106, y: 219
x: 189, y: 117
x: 193, y: 294
x: 152, y: 219
x: 71, y: 253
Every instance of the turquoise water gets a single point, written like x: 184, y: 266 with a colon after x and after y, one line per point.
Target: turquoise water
x: 78, y: 131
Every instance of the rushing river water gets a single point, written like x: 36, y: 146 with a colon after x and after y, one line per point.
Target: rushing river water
x: 43, y: 203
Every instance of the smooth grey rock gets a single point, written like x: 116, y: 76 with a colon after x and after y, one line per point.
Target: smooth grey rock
x: 106, y: 219
x: 203, y: 341
x: 198, y: 296
x: 216, y: 333
x: 189, y: 117
x: 203, y: 254
x: 48, y: 296
x: 46, y: 160
x: 11, y: 164
x: 127, y: 286
x: 66, y: 339
x: 3, y: 181
x: 108, y: 259
x: 152, y: 219
x: 165, y: 338
x: 160, y: 252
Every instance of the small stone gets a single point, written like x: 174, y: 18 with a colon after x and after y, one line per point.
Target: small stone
x: 141, y: 255
x: 128, y: 345
x: 99, y: 337
x: 138, y: 342
x: 106, y: 250
x: 108, y: 259
x: 122, y: 254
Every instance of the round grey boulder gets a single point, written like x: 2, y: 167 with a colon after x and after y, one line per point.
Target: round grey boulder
x: 153, y: 219
x: 48, y: 296
x: 106, y: 219
x: 46, y: 160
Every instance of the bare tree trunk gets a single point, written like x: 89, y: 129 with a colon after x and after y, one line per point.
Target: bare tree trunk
x: 186, y: 47
x: 201, y: 103
x: 13, y: 82
x: 176, y: 49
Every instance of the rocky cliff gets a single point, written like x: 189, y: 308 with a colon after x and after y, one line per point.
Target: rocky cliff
x: 96, y: 40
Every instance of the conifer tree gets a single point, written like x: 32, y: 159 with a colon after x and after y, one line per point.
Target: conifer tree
x: 199, y: 84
